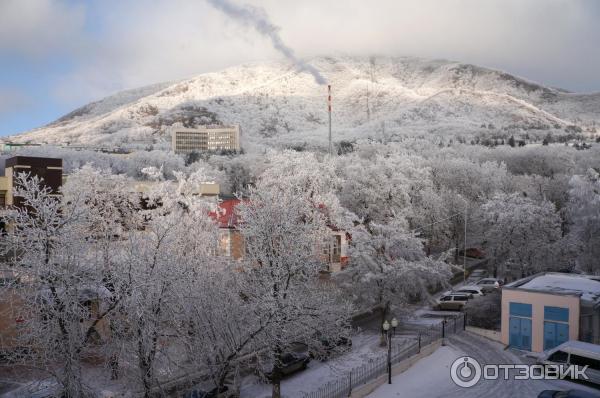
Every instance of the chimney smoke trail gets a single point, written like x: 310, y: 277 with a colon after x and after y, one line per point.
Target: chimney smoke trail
x: 258, y: 19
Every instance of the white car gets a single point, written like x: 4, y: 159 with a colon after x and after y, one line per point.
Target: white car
x: 453, y: 301
x: 488, y: 284
x: 576, y: 353
x: 471, y: 289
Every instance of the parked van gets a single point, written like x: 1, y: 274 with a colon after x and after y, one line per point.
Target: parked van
x: 453, y: 301
x: 576, y: 353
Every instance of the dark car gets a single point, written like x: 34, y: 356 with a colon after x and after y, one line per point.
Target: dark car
x: 291, y: 363
x: 206, y: 391
x: 473, y: 252
x: 567, y: 394
x: 197, y: 393
x: 329, y: 347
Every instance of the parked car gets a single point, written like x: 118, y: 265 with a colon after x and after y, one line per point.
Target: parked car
x: 200, y: 393
x: 453, y: 301
x: 488, y: 284
x: 206, y: 390
x: 470, y: 289
x: 291, y: 363
x: 567, y: 394
x: 342, y: 343
x: 477, y: 274
x: 473, y: 252
x: 576, y: 353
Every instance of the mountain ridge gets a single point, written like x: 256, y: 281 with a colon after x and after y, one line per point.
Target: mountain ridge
x: 274, y: 103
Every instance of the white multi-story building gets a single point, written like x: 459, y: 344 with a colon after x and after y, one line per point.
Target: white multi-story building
x: 205, y: 138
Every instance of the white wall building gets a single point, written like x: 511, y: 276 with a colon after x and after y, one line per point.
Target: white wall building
x: 205, y: 138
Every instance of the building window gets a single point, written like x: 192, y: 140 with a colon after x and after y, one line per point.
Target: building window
x: 556, y: 326
x: 556, y: 314
x: 520, y: 309
x: 520, y: 326
x: 332, y: 249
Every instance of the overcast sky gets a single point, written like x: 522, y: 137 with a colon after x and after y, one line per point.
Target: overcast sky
x: 56, y: 55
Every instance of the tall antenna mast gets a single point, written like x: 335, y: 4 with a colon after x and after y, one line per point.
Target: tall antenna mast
x: 329, y: 110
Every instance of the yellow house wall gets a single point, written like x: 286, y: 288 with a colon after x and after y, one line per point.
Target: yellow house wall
x: 6, y: 184
x: 538, y: 300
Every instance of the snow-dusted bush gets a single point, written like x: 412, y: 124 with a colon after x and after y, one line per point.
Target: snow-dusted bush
x: 484, y: 311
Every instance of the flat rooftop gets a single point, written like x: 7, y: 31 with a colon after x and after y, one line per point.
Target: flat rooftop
x: 33, y: 161
x: 585, y: 286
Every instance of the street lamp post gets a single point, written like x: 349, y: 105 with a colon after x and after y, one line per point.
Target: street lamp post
x: 389, y: 333
x: 465, y: 248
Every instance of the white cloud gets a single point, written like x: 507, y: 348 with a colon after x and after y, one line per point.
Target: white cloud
x: 40, y: 27
x: 143, y: 42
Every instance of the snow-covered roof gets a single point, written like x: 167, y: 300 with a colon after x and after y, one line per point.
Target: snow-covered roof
x: 575, y: 345
x: 585, y: 286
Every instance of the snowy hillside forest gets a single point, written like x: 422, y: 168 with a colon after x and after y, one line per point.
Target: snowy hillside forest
x: 276, y: 105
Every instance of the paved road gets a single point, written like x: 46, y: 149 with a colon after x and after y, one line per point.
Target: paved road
x: 488, y: 352
x: 430, y: 377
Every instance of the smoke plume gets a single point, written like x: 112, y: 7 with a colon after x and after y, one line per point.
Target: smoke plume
x: 257, y: 18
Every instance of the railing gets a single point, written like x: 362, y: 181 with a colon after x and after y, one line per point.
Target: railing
x: 361, y: 375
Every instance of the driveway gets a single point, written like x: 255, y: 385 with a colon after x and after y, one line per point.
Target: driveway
x: 430, y: 377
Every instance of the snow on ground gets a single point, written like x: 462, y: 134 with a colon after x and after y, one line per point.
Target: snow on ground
x: 365, y: 347
x: 430, y: 377
x: 428, y: 317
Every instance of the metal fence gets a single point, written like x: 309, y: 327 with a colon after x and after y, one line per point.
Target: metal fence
x: 361, y: 375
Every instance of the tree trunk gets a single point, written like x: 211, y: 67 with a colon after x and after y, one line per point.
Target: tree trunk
x: 223, y: 377
x: 114, y: 366
x: 276, y: 389
x: 276, y: 373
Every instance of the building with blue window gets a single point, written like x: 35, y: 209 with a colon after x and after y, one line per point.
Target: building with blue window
x: 545, y: 310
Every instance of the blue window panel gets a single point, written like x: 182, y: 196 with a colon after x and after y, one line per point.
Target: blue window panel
x: 562, y: 333
x: 556, y: 314
x: 549, y: 335
x: 514, y: 332
x: 526, y: 334
x: 555, y: 334
x: 520, y: 309
x: 520, y: 333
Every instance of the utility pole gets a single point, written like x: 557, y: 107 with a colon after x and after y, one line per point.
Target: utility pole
x: 329, y: 110
x: 368, y: 110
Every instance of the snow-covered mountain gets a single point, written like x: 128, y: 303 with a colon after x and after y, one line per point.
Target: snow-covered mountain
x: 275, y: 103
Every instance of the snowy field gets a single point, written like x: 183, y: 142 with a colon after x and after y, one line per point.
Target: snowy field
x: 430, y: 377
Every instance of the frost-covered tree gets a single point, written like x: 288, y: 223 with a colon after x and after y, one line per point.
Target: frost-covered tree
x: 177, y: 237
x: 430, y: 216
x: 389, y: 267
x: 584, y: 217
x: 283, y: 227
x: 378, y: 187
x: 472, y: 180
x: 63, y: 299
x: 522, y: 235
